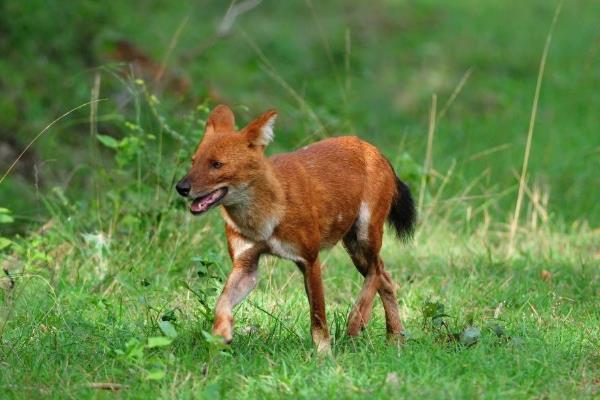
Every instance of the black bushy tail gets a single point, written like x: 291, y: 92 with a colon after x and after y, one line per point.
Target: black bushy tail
x: 403, y: 215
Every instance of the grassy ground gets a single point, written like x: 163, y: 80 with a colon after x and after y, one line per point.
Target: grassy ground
x: 86, y: 309
x: 112, y: 281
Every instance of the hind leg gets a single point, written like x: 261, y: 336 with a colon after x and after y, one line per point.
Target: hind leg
x: 365, y: 256
x: 361, y: 311
x: 387, y: 293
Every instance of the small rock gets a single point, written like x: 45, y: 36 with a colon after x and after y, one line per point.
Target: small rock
x: 470, y: 336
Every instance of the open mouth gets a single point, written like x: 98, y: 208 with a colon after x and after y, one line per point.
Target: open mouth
x: 203, y: 203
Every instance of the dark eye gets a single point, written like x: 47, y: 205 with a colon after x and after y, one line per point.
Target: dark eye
x: 216, y: 164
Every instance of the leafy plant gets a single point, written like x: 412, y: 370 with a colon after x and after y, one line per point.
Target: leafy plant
x: 216, y: 347
x: 136, y: 353
x: 435, y: 320
x: 433, y: 315
x: 129, y: 148
x: 6, y: 216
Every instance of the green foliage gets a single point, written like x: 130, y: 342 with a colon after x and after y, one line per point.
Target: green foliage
x: 151, y: 367
x: 128, y: 149
x: 4, y: 243
x: 5, y: 216
x: 167, y: 328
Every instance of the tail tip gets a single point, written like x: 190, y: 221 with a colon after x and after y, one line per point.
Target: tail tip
x: 403, y: 215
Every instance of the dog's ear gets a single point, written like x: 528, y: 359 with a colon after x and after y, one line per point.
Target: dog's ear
x: 260, y: 131
x: 221, y: 119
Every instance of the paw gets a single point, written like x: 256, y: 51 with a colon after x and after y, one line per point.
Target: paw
x: 322, y: 342
x: 356, y: 323
x: 324, y: 348
x: 396, y: 339
x: 223, y: 327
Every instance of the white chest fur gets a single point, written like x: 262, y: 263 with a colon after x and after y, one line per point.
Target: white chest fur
x: 277, y: 247
x: 284, y: 250
x: 256, y: 232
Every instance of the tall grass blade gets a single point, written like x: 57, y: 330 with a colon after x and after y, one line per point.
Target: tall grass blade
x: 514, y: 225
x: 50, y: 125
x: 428, y: 162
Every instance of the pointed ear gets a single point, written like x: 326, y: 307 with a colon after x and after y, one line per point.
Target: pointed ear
x: 221, y: 119
x: 260, y: 131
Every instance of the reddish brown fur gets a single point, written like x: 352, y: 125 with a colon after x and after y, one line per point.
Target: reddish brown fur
x: 293, y: 205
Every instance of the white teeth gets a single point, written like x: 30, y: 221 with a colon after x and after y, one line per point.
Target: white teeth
x: 201, y: 205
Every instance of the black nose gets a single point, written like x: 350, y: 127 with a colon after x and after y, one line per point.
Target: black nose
x: 183, y: 187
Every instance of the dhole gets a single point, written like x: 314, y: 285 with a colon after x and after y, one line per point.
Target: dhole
x: 295, y: 204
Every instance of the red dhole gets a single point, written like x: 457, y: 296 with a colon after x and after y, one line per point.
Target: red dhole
x: 295, y: 204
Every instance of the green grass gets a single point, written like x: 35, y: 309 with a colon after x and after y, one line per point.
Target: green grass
x: 119, y: 253
x: 75, y: 306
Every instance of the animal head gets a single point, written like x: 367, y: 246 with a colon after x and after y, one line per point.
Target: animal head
x: 226, y: 160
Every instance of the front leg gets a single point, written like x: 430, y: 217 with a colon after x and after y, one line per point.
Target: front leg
x: 316, y: 299
x: 242, y: 279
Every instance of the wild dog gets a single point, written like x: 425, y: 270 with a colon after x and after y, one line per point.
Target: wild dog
x: 295, y: 204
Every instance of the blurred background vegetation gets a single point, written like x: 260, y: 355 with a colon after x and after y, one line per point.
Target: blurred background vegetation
x: 106, y: 278
x: 336, y: 67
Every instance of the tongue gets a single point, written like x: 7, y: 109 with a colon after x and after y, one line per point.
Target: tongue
x: 203, y: 203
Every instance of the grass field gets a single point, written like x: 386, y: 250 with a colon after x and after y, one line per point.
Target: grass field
x: 111, y: 283
x: 84, y: 312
